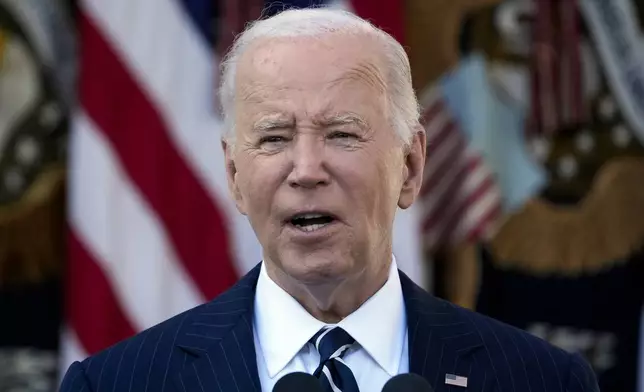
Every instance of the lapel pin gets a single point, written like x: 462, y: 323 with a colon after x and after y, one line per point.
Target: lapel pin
x: 458, y: 381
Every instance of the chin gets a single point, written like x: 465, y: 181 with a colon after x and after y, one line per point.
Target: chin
x: 316, y: 267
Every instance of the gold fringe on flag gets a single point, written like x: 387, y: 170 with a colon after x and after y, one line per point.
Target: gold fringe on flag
x: 32, y: 231
x: 545, y: 239
x: 605, y: 228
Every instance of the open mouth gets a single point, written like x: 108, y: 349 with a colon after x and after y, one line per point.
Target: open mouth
x: 309, y: 222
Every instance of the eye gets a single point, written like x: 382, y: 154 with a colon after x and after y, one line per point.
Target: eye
x: 342, y: 135
x: 272, y: 139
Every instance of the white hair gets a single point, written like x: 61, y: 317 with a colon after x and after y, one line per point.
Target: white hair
x: 311, y: 22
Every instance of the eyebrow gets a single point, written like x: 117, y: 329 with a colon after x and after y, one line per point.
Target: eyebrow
x: 323, y: 121
x: 270, y: 123
x: 341, y: 119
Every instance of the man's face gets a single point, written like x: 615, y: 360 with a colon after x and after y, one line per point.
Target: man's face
x: 316, y: 166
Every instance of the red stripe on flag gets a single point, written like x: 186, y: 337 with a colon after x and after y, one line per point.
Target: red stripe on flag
x: 237, y: 13
x: 454, y: 156
x: 486, y: 222
x: 388, y: 15
x: 447, y: 196
x: 436, y: 140
x: 450, y: 194
x: 92, y: 308
x: 434, y: 110
x: 456, y: 217
x: 139, y: 136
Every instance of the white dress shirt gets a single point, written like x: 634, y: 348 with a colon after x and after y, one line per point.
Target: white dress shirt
x: 282, y: 329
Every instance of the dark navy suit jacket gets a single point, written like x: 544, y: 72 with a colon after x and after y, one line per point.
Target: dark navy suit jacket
x: 210, y: 348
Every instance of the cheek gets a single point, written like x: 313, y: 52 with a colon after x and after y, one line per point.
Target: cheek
x: 259, y: 180
x: 364, y: 176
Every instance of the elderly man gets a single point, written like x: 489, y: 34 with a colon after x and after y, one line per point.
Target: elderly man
x: 323, y: 145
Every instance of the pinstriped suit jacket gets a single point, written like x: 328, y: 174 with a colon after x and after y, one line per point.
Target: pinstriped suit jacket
x: 210, y: 348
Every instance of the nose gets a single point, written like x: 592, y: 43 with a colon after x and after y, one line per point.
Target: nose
x: 308, y: 163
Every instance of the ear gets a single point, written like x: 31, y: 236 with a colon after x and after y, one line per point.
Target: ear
x: 413, y: 169
x: 231, y: 175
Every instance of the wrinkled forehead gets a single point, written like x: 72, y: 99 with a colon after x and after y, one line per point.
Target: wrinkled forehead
x: 310, y: 63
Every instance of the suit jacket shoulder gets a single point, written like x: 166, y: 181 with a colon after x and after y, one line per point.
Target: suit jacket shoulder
x: 156, y: 359
x: 490, y: 354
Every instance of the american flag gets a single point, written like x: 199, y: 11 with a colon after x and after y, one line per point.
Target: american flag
x: 459, y: 381
x: 460, y: 199
x: 152, y: 230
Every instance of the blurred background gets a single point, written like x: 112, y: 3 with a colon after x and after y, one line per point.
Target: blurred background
x: 114, y: 213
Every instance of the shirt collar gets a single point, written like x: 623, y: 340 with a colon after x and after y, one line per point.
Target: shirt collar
x: 283, y: 326
x: 380, y: 324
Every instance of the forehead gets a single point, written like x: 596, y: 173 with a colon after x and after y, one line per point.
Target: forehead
x: 309, y: 64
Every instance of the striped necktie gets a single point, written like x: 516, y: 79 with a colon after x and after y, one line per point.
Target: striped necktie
x: 333, y: 372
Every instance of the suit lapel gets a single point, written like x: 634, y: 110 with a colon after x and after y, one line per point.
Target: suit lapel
x: 442, y: 341
x: 219, y: 350
x: 219, y: 344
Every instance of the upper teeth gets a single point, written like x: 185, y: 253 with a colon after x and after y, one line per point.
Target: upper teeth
x: 309, y: 216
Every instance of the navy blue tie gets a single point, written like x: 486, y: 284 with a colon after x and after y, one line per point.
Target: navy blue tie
x: 333, y: 372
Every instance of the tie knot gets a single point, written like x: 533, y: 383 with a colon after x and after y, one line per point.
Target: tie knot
x: 331, y: 342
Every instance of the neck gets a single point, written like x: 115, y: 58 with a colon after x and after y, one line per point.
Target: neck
x: 332, y: 301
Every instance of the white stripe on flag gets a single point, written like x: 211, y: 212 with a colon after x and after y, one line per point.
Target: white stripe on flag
x: 110, y: 217
x: 449, y: 149
x: 70, y: 351
x: 477, y: 211
x: 183, y: 91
